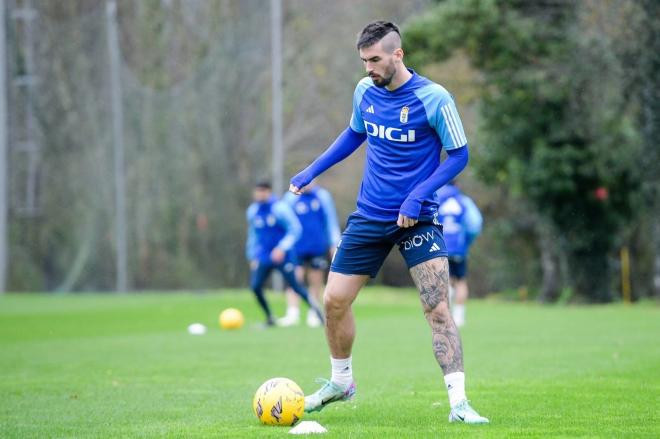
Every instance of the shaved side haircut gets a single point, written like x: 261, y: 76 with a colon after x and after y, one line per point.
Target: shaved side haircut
x: 377, y: 31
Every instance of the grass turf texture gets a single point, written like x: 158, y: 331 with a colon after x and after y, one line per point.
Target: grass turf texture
x: 124, y: 366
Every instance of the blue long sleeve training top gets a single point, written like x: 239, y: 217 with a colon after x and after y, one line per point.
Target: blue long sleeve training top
x: 406, y: 129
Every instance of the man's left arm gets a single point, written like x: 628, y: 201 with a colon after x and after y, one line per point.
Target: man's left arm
x: 456, y: 161
x: 443, y: 117
x: 472, y: 219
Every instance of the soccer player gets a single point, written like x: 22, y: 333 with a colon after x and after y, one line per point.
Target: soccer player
x: 316, y: 212
x: 461, y: 224
x: 272, y: 231
x: 406, y: 120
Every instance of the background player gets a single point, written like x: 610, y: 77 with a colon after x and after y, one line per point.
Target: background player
x: 316, y: 212
x: 272, y: 231
x: 407, y: 120
x: 461, y: 223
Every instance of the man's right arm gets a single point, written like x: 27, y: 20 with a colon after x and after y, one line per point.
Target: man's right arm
x: 287, y: 218
x: 251, y: 243
x: 347, y: 142
x: 330, y: 213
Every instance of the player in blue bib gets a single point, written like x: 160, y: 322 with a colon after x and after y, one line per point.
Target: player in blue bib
x: 461, y: 224
x: 407, y: 120
x: 316, y: 212
x: 272, y: 232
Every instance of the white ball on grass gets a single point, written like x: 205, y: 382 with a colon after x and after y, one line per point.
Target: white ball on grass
x: 197, y: 329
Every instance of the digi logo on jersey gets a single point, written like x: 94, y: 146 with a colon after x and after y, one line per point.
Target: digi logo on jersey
x: 389, y: 133
x: 417, y: 240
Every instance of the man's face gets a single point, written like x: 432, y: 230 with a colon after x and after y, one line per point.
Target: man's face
x: 260, y: 194
x: 379, y: 64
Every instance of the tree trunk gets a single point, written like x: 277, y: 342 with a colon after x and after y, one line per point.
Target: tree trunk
x: 656, y: 258
x: 549, y: 248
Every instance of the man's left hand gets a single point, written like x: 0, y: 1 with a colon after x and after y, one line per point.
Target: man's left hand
x: 404, y: 222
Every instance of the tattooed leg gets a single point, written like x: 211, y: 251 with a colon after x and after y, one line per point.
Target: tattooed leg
x: 432, y: 281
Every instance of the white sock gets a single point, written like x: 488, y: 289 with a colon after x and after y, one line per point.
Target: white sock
x: 342, y: 371
x: 455, y: 387
x: 292, y: 312
x: 458, y: 313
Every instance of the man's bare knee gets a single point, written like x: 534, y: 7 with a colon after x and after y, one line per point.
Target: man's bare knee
x: 340, y: 292
x: 440, y: 314
x: 335, y: 301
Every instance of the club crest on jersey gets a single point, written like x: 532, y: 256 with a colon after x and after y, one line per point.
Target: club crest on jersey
x: 403, y: 117
x: 389, y: 133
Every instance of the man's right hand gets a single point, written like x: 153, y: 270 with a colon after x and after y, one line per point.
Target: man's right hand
x: 296, y: 190
x: 277, y: 255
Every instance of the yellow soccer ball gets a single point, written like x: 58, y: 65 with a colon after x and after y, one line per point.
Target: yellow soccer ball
x: 279, y: 401
x: 231, y: 318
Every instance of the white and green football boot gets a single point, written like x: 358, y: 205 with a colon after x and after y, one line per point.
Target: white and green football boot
x: 330, y: 392
x: 461, y: 412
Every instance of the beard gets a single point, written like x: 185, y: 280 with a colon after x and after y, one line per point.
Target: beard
x: 386, y: 78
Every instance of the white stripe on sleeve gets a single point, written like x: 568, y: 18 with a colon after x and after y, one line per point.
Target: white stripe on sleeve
x: 454, y: 125
x: 459, y: 126
x: 448, y: 122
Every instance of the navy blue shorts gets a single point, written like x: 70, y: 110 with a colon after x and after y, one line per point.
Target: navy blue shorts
x: 457, y: 266
x: 315, y: 262
x: 365, y: 244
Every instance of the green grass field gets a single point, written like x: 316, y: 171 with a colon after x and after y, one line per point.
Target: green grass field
x: 124, y: 366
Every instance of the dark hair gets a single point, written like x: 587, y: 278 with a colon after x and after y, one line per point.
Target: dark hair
x: 263, y: 184
x: 374, y: 32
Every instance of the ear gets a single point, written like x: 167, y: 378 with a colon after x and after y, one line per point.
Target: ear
x: 398, y: 54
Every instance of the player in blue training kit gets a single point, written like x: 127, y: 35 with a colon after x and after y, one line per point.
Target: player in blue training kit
x: 461, y: 222
x: 316, y: 212
x: 407, y: 120
x: 272, y: 231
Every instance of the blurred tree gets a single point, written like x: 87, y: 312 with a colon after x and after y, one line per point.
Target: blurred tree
x: 558, y: 124
x: 196, y: 97
x: 648, y: 56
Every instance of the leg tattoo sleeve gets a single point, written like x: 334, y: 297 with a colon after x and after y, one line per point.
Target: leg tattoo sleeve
x: 432, y: 281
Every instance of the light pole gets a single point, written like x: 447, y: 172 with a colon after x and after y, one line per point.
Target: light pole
x: 4, y: 205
